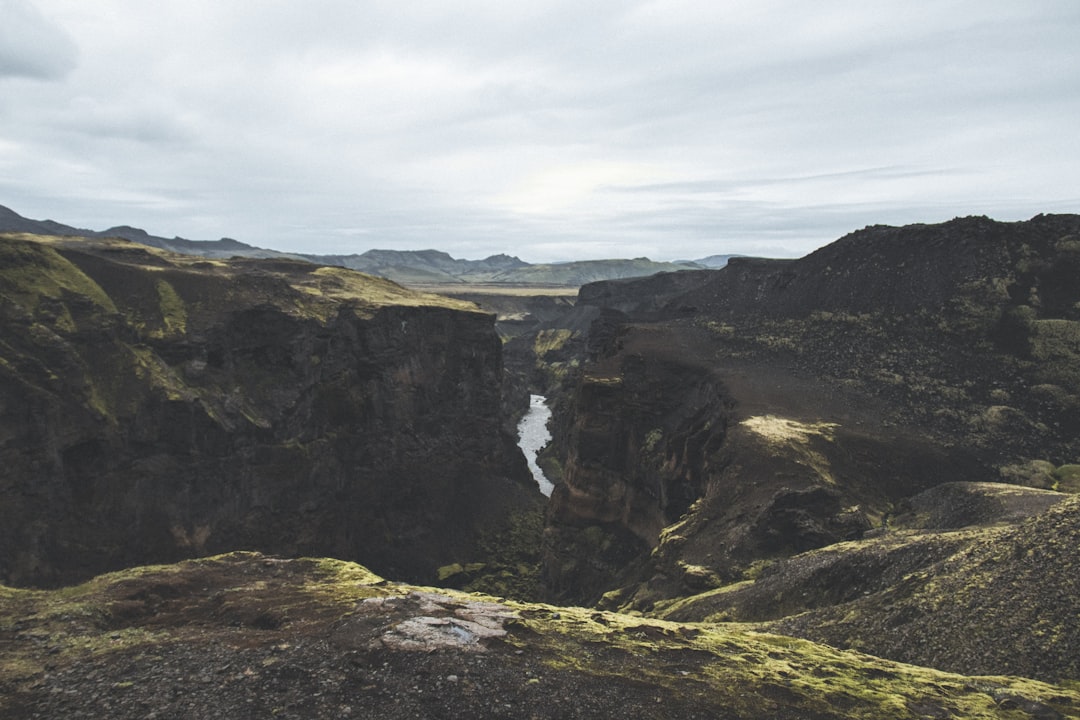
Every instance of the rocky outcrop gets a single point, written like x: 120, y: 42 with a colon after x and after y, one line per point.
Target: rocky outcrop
x: 155, y: 407
x: 946, y: 521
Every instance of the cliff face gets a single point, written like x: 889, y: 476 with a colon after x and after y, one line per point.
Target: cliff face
x: 156, y: 407
x: 824, y: 391
x: 647, y: 420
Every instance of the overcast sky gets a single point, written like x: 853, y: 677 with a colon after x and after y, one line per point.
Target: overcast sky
x: 550, y: 130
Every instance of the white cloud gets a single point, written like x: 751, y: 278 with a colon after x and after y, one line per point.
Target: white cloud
x: 31, y: 45
x: 678, y: 127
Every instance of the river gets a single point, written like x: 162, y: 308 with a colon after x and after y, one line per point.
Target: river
x: 533, y: 434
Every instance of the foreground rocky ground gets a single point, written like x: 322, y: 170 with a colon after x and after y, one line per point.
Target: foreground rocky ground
x: 249, y: 636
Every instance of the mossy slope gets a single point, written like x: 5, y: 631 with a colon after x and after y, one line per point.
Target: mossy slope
x: 1004, y: 600
x: 246, y: 635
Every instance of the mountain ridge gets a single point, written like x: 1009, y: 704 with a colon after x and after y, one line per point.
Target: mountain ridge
x: 407, y: 267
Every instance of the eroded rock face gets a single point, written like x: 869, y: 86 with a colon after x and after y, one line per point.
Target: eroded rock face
x: 646, y: 425
x: 154, y: 407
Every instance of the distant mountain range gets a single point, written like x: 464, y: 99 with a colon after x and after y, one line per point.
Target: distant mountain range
x: 408, y: 267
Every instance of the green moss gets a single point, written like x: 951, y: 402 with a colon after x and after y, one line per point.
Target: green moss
x: 721, y: 330
x: 551, y: 340
x: 752, y: 673
x: 1055, y: 344
x: 334, y: 285
x: 1067, y: 478
x: 342, y: 582
x: 30, y: 271
x: 698, y: 576
x: 1034, y: 473
x: 749, y: 674
x: 603, y: 380
x: 652, y: 439
x: 753, y: 572
x: 173, y: 311
x: 449, y: 571
x: 549, y: 462
x: 511, y: 561
x: 152, y: 368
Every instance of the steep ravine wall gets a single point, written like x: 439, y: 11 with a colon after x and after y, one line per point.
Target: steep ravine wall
x: 155, y: 408
x: 645, y: 423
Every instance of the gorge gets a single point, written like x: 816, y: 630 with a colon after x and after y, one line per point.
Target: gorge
x: 838, y: 486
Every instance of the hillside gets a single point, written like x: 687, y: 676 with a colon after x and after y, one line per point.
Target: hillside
x: 12, y: 222
x: 244, y: 635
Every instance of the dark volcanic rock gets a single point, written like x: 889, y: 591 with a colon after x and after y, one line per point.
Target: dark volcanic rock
x: 945, y: 521
x: 643, y: 296
x: 907, y: 269
x: 646, y: 425
x: 154, y: 407
x: 839, y: 385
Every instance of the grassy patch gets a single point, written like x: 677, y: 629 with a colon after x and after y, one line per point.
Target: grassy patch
x: 368, y: 291
x: 551, y: 340
x: 1067, y: 478
x: 173, y: 311
x: 757, y: 674
x: 30, y: 271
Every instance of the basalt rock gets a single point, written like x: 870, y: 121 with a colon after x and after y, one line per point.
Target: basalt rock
x: 155, y: 407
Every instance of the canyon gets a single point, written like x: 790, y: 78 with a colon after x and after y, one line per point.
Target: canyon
x: 838, y: 486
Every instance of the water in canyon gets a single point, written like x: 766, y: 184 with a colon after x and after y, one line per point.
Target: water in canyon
x: 533, y: 434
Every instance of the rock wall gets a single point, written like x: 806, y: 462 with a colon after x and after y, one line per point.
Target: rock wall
x: 645, y: 423
x: 154, y: 407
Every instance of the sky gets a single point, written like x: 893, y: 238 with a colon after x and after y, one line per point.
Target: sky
x: 551, y: 130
